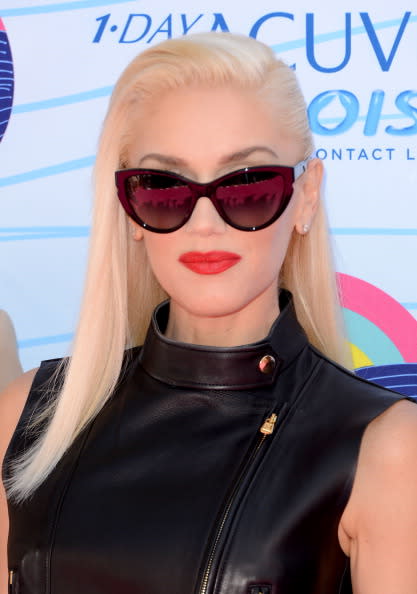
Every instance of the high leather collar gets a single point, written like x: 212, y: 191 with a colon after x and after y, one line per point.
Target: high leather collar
x: 249, y: 366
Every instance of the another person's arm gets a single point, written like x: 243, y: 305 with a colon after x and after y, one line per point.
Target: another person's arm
x: 12, y: 401
x: 10, y: 367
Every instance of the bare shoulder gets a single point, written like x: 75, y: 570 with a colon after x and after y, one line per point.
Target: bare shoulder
x: 391, y: 438
x: 386, y: 473
x: 12, y: 402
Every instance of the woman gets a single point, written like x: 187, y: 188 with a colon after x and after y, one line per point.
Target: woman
x: 227, y: 455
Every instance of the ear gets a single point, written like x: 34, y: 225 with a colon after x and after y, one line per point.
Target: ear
x: 310, y: 195
x: 135, y: 230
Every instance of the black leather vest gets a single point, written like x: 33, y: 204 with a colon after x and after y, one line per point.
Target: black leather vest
x: 174, y: 489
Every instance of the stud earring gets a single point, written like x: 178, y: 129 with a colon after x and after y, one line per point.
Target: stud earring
x: 306, y: 228
x: 136, y: 233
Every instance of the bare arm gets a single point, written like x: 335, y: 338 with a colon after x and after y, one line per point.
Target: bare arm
x: 12, y: 401
x: 378, y: 529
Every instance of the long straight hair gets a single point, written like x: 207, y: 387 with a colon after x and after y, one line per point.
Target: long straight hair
x: 121, y: 290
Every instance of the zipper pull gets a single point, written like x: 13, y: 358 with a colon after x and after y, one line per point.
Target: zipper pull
x: 269, y: 425
x: 11, y: 576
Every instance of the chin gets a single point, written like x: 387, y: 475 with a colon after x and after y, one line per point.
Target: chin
x: 213, y: 306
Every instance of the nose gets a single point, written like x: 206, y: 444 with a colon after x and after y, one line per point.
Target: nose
x: 205, y: 220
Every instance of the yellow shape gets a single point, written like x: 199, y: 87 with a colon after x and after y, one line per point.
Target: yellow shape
x: 359, y: 357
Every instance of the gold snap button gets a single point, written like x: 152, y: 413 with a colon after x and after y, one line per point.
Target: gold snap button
x: 267, y: 364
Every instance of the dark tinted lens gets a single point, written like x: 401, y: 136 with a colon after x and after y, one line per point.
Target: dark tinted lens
x: 159, y: 200
x: 253, y: 198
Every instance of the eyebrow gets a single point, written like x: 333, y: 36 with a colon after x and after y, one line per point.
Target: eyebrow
x: 226, y: 160
x: 243, y: 154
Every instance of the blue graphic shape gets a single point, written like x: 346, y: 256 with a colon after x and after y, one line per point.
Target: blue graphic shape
x: 372, y: 231
x: 43, y: 340
x: 400, y: 377
x: 373, y: 341
x: 64, y: 100
x: 6, y: 80
x: 47, y: 171
x: 61, y: 232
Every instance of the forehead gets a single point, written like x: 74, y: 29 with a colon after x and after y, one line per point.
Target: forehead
x: 201, y: 126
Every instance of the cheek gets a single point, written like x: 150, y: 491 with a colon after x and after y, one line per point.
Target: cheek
x: 273, y: 257
x: 156, y: 247
x: 271, y: 248
x: 161, y: 253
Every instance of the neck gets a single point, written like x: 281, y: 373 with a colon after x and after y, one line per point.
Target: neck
x: 248, y: 325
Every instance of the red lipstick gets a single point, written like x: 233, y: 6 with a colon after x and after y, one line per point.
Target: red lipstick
x: 209, y: 262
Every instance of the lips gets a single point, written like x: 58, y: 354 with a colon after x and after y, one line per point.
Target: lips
x: 209, y: 262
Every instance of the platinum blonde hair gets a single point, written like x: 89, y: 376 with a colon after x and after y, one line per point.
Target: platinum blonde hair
x: 121, y: 290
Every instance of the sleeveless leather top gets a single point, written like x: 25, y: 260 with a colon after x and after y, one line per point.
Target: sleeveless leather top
x: 174, y: 489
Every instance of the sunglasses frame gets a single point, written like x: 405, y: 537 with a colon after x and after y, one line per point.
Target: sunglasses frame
x: 208, y: 190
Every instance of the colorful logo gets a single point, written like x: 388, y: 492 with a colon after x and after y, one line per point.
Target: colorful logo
x: 6, y: 80
x: 381, y: 331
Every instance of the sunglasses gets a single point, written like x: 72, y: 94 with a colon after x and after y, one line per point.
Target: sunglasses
x: 247, y: 199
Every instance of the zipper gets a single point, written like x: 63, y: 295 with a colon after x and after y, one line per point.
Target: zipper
x: 266, y: 429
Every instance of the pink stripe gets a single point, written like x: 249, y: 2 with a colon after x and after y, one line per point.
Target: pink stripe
x: 2, y: 27
x: 384, y: 311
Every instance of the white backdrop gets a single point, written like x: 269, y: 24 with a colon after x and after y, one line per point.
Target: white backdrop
x: 357, y: 63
